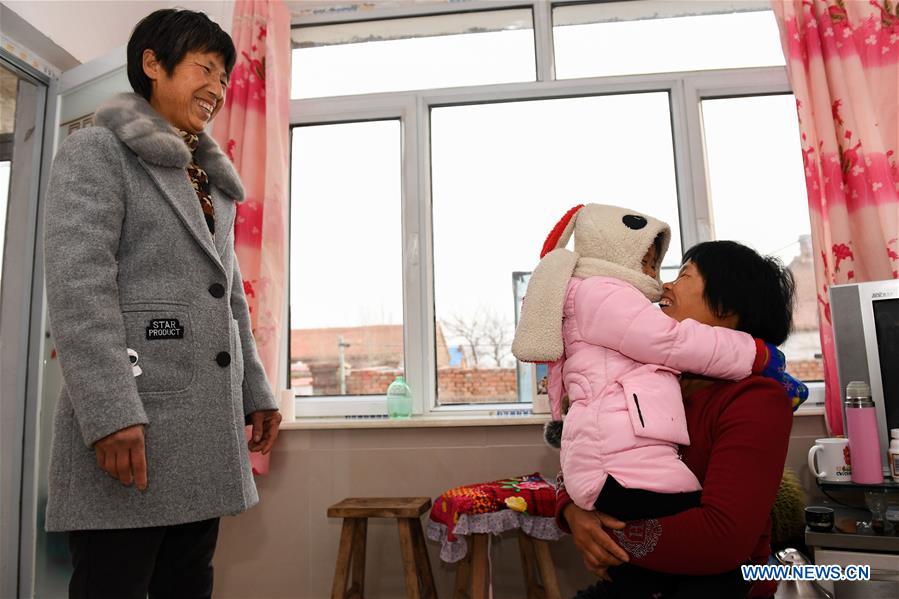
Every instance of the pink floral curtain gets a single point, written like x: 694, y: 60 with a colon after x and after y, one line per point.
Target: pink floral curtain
x: 843, y: 61
x: 253, y: 129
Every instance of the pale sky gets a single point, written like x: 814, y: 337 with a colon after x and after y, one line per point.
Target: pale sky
x: 503, y: 174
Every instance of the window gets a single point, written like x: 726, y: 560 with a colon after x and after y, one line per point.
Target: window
x: 497, y: 122
x: 346, y: 284
x: 625, y: 38
x: 758, y: 197
x: 496, y: 199
x: 421, y: 53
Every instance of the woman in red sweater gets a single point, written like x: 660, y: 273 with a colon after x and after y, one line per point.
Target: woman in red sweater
x: 739, y: 434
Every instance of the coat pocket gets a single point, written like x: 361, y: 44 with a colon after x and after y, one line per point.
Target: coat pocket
x: 160, y: 338
x: 655, y: 405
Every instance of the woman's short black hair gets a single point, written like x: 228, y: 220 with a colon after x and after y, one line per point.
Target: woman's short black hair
x: 171, y: 33
x: 757, y: 289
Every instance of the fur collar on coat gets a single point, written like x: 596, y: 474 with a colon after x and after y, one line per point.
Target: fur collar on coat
x: 131, y: 118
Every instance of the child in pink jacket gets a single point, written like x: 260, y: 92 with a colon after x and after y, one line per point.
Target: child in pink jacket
x: 617, y: 359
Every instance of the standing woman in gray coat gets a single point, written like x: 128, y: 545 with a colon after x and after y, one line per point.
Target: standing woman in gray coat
x: 151, y: 324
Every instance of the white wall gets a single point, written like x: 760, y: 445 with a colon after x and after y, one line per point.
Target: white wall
x: 88, y: 29
x: 286, y: 547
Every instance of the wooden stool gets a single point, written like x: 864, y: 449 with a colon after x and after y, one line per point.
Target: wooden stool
x: 355, y: 512
x: 473, y: 575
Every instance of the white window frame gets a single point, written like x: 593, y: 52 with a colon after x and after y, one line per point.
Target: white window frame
x: 686, y: 91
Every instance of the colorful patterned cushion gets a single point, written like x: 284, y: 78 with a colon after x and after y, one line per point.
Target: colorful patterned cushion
x: 525, y: 502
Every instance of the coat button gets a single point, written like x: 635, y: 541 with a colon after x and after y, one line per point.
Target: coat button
x: 223, y: 359
x: 216, y: 290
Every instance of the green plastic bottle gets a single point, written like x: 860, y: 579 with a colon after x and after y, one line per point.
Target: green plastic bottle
x: 399, y: 399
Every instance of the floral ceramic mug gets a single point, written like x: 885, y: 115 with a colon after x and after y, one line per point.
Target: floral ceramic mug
x: 834, y: 463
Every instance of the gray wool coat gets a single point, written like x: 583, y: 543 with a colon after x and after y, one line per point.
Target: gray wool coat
x: 131, y: 265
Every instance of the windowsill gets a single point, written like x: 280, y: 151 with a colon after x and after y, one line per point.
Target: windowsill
x: 814, y: 406
x: 814, y: 410
x: 446, y: 421
x: 454, y: 420
x: 456, y: 416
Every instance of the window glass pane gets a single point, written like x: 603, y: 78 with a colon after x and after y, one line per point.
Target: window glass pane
x: 502, y: 176
x: 474, y: 48
x: 9, y: 85
x: 624, y: 38
x: 758, y: 196
x: 346, y: 296
x: 5, y: 166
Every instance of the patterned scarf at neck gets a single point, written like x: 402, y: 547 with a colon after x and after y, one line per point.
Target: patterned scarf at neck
x: 200, y: 181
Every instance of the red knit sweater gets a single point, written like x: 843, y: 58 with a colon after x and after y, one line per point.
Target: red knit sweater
x: 739, y: 434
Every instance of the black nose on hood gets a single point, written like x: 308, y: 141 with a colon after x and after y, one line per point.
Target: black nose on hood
x: 632, y: 221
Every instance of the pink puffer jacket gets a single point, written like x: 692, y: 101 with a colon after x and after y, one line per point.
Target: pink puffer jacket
x: 620, y: 367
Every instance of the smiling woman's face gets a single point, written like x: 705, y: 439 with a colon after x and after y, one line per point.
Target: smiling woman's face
x: 683, y: 298
x: 193, y: 94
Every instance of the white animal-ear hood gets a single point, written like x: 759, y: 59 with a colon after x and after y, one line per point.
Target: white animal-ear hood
x: 608, y: 241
